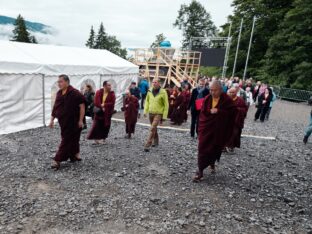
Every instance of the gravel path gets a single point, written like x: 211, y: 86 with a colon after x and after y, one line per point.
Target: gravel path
x: 265, y: 187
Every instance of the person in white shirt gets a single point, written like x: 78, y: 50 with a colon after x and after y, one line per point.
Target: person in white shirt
x: 249, y: 98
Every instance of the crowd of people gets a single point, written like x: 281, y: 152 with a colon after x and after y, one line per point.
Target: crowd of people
x: 218, y: 108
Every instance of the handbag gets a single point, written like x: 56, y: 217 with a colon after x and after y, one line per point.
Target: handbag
x: 97, y: 110
x: 199, y: 103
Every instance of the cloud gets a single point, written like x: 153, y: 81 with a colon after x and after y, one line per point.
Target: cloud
x: 45, y: 38
x: 134, y: 22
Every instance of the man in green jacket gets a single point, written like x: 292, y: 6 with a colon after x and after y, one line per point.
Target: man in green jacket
x: 157, y: 106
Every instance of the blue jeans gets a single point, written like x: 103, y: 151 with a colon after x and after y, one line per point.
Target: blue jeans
x: 308, y: 130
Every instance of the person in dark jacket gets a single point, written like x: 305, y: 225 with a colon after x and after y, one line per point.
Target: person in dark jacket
x: 134, y: 90
x: 200, y: 92
x: 143, y: 86
x: 89, y: 96
x: 263, y: 105
x: 308, y: 131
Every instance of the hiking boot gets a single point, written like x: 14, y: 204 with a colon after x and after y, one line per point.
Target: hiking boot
x: 305, y: 139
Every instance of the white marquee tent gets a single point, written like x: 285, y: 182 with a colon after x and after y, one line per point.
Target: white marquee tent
x: 28, y: 75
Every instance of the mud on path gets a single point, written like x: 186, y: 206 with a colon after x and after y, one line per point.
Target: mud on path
x: 265, y: 187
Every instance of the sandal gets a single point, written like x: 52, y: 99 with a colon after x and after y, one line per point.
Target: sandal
x: 198, y: 177
x: 75, y: 159
x: 56, y: 165
x: 213, y: 169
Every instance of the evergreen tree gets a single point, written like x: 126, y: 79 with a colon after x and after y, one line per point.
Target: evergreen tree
x: 20, y: 32
x: 194, y: 21
x: 91, y: 41
x: 107, y: 42
x: 288, y: 60
x: 101, y: 41
x: 159, y: 38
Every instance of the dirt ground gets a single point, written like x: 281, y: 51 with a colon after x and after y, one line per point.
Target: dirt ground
x: 264, y: 187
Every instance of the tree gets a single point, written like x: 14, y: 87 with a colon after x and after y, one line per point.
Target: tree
x: 269, y: 14
x: 106, y: 42
x: 20, y: 32
x: 101, y: 41
x: 114, y: 46
x: 159, y: 38
x: 91, y: 41
x: 288, y: 60
x: 194, y: 21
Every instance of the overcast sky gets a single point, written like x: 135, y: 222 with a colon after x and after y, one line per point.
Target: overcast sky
x: 134, y: 22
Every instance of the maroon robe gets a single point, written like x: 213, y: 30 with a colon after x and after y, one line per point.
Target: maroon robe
x: 102, y: 121
x: 131, y: 108
x: 241, y: 113
x: 67, y: 111
x: 172, y: 98
x: 214, y: 130
x: 177, y: 115
x: 187, y: 95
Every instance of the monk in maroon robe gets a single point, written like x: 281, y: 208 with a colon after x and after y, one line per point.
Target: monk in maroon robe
x: 215, y: 126
x: 187, y: 94
x: 131, y: 110
x: 69, y: 109
x: 177, y: 116
x: 172, y: 98
x: 104, y: 102
x: 241, y: 113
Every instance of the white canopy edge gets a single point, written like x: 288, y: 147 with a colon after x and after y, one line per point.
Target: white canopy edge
x: 27, y: 58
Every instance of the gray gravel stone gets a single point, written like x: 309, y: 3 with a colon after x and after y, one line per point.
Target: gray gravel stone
x: 264, y: 187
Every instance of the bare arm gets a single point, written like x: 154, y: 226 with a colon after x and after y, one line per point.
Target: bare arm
x: 51, y: 124
x: 81, y: 114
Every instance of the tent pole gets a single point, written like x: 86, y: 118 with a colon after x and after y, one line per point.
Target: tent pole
x: 237, y: 48
x: 249, y: 47
x: 43, y: 98
x: 227, y: 51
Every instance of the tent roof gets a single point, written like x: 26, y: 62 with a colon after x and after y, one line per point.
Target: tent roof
x: 27, y: 58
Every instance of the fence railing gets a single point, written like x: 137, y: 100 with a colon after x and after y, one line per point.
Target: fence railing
x: 292, y: 94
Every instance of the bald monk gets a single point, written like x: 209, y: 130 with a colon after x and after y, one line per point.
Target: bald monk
x: 214, y: 128
x: 69, y: 109
x: 130, y: 108
x: 241, y: 113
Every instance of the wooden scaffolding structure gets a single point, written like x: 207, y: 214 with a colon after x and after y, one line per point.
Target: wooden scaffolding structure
x: 168, y: 64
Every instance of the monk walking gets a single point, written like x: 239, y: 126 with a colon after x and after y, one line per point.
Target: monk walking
x: 69, y: 109
x: 156, y: 105
x: 241, y: 113
x: 215, y: 126
x: 187, y: 94
x: 104, y: 103
x: 130, y: 108
x: 179, y: 107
